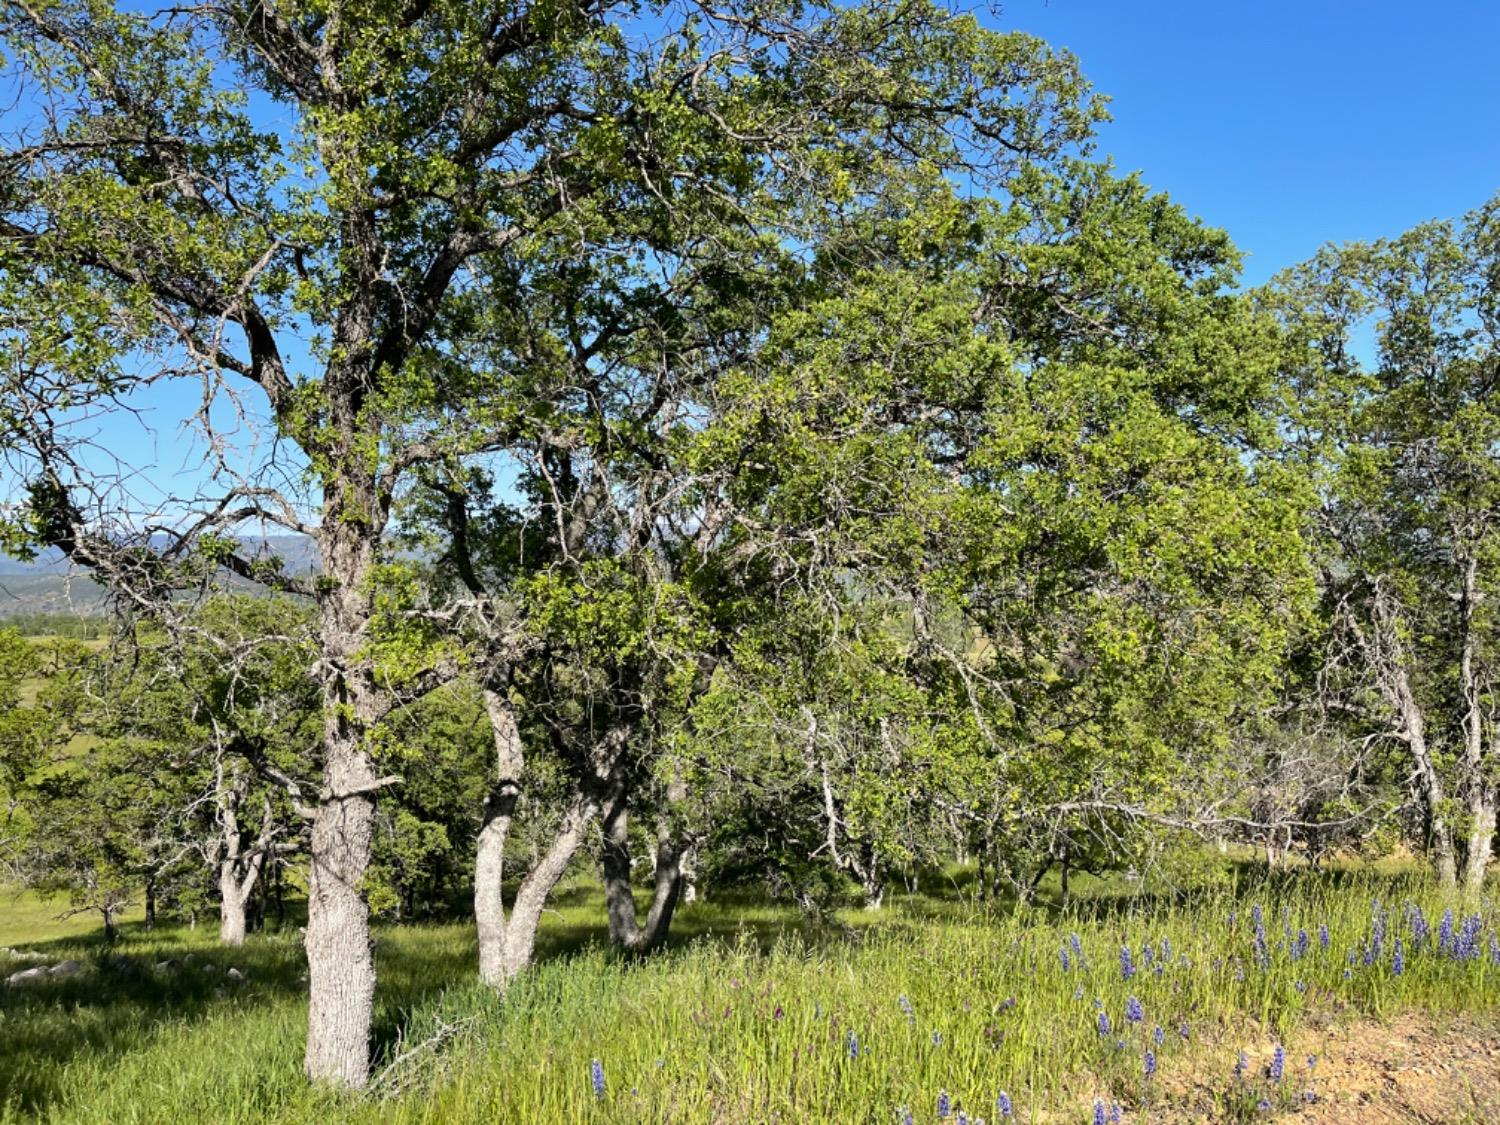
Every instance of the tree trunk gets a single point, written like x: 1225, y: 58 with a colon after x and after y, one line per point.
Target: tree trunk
x: 231, y: 912
x: 1479, y: 793
x: 340, y: 966
x: 150, y: 905
x: 111, y: 931
x: 625, y: 929
x: 506, y: 943
x: 1482, y: 809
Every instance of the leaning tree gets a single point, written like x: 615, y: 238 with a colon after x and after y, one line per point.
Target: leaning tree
x: 292, y: 223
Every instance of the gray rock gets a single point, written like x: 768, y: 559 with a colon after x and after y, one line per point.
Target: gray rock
x: 25, y: 976
x: 234, y: 974
x: 208, y: 967
x: 166, y: 966
x: 65, y: 968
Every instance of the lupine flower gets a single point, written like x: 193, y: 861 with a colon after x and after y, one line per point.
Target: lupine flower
x: 1241, y: 1065
x: 1150, y: 1063
x: 853, y: 1045
x: 1323, y: 940
x: 1003, y: 1106
x: 1114, y: 1111
x: 1099, y: 1115
x: 1300, y: 986
x: 963, y: 1118
x: 1104, y: 1024
x: 1278, y: 1063
x: 1309, y: 1097
x: 1078, y: 993
x: 1262, y: 953
x: 1063, y: 953
x: 596, y: 1076
x: 1166, y: 949
x: 905, y: 1117
x: 1312, y: 1061
x: 937, y: 1038
x: 1300, y: 947
x: 1127, y: 963
x: 1159, y: 1036
x: 1418, y: 927
x: 1398, y: 959
x: 1445, y: 930
x: 1369, y: 955
x: 1263, y: 1106
x: 945, y: 1105
x: 1183, y: 1031
x: 1466, y: 946
x: 1494, y: 950
x: 1233, y: 917
x: 1148, y: 955
x: 1076, y: 943
x: 1119, y: 1044
x: 1134, y: 1013
x: 906, y: 1007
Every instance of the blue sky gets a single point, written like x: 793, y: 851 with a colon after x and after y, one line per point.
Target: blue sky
x: 1293, y: 124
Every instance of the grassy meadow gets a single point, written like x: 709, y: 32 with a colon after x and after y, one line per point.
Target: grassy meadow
x: 930, y: 1005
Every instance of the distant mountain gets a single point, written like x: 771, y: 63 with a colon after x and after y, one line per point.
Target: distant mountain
x: 50, y: 585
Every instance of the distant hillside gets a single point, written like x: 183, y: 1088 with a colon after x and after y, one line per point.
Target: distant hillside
x: 50, y: 586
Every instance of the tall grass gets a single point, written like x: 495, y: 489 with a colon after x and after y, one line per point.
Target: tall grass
x: 769, y: 1022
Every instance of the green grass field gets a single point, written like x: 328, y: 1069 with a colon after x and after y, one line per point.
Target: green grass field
x: 751, y: 1016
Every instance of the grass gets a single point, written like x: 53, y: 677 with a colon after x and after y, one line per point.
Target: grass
x: 749, y: 1017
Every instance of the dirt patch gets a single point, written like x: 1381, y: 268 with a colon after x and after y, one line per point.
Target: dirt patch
x: 1413, y: 1068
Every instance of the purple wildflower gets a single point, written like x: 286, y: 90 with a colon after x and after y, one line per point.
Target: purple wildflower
x: 1278, y: 1063
x: 1159, y: 1036
x: 1099, y: 1114
x: 1263, y: 1106
x: 1300, y: 946
x: 596, y: 1076
x: 906, y: 1007
x: 1241, y: 1065
x: 945, y: 1104
x: 1445, y: 931
x: 1466, y: 946
x: 1127, y: 963
x: 1104, y: 1024
x: 1003, y: 1106
x: 937, y: 1038
x: 1418, y: 927
x: 1150, y: 1063
x: 1076, y: 943
x: 1066, y: 964
x: 1114, y: 1113
x: 1398, y: 959
x: 1134, y: 1013
x: 1494, y: 950
x: 1323, y: 939
x: 905, y: 1116
x: 1148, y: 955
x: 1166, y: 949
x: 1183, y: 1031
x: 853, y: 1045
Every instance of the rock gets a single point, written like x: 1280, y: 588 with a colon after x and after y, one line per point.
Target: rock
x: 165, y: 966
x: 25, y: 976
x: 218, y: 994
x: 208, y: 967
x: 234, y: 974
x: 65, y: 968
x: 189, y: 958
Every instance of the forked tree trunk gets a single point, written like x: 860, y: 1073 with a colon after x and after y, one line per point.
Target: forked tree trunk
x: 239, y: 867
x: 506, y: 943
x: 625, y: 928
